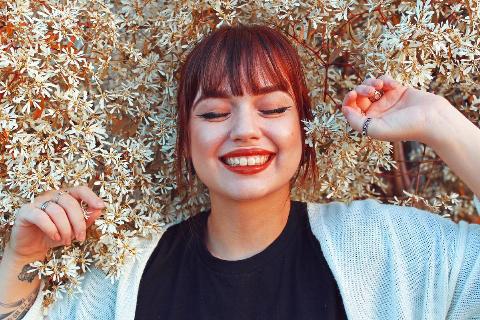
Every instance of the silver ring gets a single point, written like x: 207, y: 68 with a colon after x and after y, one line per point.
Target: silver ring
x: 57, y: 197
x: 377, y: 95
x: 84, y: 206
x: 45, y: 204
x: 365, y: 126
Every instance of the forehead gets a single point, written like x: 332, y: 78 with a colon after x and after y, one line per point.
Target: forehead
x: 222, y: 93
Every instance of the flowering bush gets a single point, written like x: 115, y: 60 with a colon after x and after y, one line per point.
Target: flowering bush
x: 87, y: 96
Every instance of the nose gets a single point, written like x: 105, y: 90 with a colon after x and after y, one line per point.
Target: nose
x: 245, y: 125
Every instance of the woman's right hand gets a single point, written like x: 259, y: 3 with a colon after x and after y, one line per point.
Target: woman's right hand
x: 35, y: 231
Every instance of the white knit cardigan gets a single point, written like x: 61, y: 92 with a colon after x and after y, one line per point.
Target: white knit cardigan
x: 390, y: 262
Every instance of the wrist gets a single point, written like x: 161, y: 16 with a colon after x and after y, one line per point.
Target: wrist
x: 440, y: 128
x: 16, y: 260
x: 16, y: 283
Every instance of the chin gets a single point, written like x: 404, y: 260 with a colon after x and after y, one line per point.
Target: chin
x: 245, y: 193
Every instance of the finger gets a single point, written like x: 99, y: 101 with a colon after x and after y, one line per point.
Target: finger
x: 350, y: 99
x: 365, y: 93
x: 364, y: 90
x: 75, y: 215
x: 377, y: 128
x: 372, y: 82
x: 40, y: 219
x: 59, y: 217
x: 366, y: 80
x: 93, y: 216
x: 355, y: 117
x: 86, y: 194
x: 389, y: 83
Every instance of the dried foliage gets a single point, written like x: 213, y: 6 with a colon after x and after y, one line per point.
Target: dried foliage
x: 87, y: 96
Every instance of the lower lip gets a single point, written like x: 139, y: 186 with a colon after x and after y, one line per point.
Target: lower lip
x: 249, y: 169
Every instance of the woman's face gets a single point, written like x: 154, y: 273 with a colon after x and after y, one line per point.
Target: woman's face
x: 245, y: 147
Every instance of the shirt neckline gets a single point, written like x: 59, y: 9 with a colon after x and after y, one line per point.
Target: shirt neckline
x: 250, y: 264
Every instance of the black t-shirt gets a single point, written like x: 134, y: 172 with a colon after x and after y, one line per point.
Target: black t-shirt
x: 290, y: 279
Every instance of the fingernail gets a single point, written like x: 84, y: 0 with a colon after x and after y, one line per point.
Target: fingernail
x: 57, y: 236
x: 101, y: 204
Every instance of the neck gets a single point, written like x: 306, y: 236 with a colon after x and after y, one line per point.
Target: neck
x: 240, y: 229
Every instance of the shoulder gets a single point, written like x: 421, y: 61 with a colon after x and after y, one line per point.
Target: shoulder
x: 100, y: 293
x: 371, y: 214
x: 372, y: 228
x: 387, y: 252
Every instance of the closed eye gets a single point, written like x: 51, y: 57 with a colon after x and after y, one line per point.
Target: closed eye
x: 275, y: 111
x: 215, y: 115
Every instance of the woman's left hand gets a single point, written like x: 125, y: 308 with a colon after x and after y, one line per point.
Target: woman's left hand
x: 401, y: 114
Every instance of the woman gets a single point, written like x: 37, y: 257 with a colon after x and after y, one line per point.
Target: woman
x: 255, y: 253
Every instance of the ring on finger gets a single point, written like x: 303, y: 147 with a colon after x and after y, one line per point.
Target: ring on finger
x: 377, y: 95
x: 365, y: 126
x: 84, y: 206
x: 44, y: 205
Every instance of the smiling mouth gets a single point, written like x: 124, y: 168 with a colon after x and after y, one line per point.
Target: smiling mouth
x: 247, y: 165
x: 246, y: 161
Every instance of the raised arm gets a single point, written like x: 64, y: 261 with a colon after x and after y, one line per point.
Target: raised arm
x: 407, y: 114
x: 34, y: 232
x: 456, y: 140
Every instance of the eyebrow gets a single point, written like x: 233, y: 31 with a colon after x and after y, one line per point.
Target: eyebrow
x: 224, y: 95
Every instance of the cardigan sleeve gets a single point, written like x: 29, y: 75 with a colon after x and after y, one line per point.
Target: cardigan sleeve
x: 100, y: 298
x: 465, y: 276
x: 453, y: 262
x: 96, y: 301
x: 397, y: 262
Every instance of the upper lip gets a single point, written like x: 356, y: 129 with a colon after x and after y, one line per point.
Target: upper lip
x: 247, y: 152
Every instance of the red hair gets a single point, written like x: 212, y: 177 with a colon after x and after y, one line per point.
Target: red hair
x: 228, y: 61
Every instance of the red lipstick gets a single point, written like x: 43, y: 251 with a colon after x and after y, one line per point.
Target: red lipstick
x: 248, y: 170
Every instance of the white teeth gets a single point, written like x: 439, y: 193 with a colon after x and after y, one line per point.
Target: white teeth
x: 246, y: 161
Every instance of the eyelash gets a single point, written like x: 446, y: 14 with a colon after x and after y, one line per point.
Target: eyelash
x: 213, y: 115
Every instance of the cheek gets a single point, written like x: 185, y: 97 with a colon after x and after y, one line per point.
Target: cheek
x: 205, y: 140
x: 293, y: 149
x: 287, y: 136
